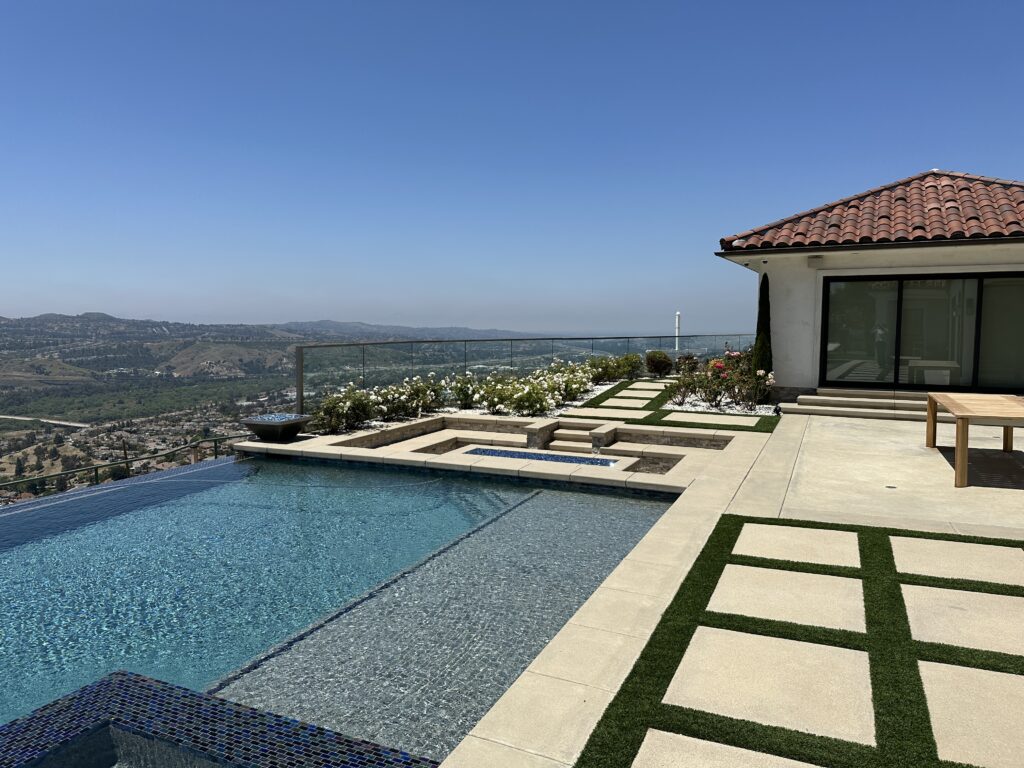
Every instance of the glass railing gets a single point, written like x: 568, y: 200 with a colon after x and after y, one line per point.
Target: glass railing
x: 323, y: 368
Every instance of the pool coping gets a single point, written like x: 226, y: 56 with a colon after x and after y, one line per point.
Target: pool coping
x: 404, y: 449
x: 546, y: 716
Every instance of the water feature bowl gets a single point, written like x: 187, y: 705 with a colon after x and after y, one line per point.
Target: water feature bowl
x: 277, y: 427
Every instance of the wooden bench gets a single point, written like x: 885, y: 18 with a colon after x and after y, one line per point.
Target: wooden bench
x: 1006, y: 411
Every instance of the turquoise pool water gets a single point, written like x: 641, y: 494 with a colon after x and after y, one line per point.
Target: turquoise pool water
x: 185, y: 577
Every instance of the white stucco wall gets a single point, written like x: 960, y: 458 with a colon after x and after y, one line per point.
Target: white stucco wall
x: 797, y: 282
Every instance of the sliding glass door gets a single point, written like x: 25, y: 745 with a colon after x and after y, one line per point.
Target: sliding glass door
x: 937, y: 332
x: 861, y: 331
x: 1001, y: 363
x: 957, y: 332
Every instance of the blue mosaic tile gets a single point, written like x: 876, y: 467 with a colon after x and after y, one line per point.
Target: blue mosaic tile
x: 542, y: 457
x: 216, y: 729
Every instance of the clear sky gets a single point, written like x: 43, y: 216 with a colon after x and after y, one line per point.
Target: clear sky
x: 547, y: 165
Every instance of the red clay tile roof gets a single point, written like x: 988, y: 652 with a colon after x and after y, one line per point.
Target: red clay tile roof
x: 934, y: 205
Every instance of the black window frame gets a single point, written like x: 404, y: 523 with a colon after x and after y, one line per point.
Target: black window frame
x: 900, y: 279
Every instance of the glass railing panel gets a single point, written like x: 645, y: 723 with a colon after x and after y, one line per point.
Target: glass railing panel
x: 389, y: 363
x: 611, y: 347
x: 530, y: 354
x: 485, y: 357
x: 327, y: 369
x: 442, y: 358
x: 573, y: 350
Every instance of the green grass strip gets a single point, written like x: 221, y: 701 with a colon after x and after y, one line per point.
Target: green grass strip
x: 970, y: 657
x: 840, y: 638
x: 609, y: 393
x: 765, y: 424
x: 902, y: 725
x: 988, y: 587
x: 794, y: 565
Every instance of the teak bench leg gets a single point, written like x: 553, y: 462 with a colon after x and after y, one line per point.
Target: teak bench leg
x: 933, y: 417
x: 960, y: 462
x: 1007, y: 438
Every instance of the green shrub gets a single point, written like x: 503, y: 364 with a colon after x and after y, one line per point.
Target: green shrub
x: 349, y: 409
x: 603, y: 369
x: 658, y: 363
x: 462, y: 390
x: 677, y: 392
x: 630, y: 366
x: 687, y: 363
x: 732, y: 378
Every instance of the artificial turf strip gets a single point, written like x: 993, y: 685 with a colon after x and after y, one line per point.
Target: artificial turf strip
x: 765, y: 424
x: 609, y: 393
x: 903, y: 726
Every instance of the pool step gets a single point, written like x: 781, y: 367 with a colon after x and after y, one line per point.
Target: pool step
x: 572, y: 435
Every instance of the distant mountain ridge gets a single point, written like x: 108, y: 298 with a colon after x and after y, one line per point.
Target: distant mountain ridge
x: 99, y: 325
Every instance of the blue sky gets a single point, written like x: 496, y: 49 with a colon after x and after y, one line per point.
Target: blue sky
x: 546, y: 165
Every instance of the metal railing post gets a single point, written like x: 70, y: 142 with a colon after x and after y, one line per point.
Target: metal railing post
x: 300, y: 362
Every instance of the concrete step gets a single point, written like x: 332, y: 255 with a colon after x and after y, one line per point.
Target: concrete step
x: 860, y: 413
x: 876, y: 394
x: 569, y: 446
x: 572, y: 435
x: 862, y: 402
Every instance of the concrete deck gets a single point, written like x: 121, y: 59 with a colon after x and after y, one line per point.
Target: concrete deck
x: 817, y: 468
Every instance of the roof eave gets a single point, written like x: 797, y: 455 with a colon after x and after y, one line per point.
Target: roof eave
x: 738, y: 253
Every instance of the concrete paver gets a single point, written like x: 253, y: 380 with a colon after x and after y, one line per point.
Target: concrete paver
x: 802, y: 598
x: 622, y: 402
x: 610, y: 414
x: 712, y: 418
x: 805, y: 545
x: 959, y: 560
x: 672, y: 750
x: 977, y: 715
x: 802, y: 686
x: 968, y: 619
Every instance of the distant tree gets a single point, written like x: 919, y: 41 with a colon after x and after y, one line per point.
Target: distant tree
x: 762, y: 355
x: 58, y: 439
x: 54, y: 453
x: 19, y: 467
x: 38, y: 466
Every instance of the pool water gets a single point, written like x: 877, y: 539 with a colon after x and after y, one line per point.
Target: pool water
x: 557, y: 457
x: 186, y: 576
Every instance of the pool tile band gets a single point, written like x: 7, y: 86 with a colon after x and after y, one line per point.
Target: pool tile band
x: 557, y: 457
x: 196, y: 723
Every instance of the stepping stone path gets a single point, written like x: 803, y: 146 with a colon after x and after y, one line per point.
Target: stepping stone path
x: 976, y: 714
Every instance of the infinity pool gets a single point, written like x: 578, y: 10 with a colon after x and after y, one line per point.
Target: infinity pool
x: 185, y: 577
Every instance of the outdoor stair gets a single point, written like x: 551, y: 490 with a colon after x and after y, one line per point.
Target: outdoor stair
x: 864, y: 404
x: 569, y: 446
x: 572, y: 435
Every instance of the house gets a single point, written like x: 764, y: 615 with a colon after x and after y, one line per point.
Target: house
x: 915, y: 285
